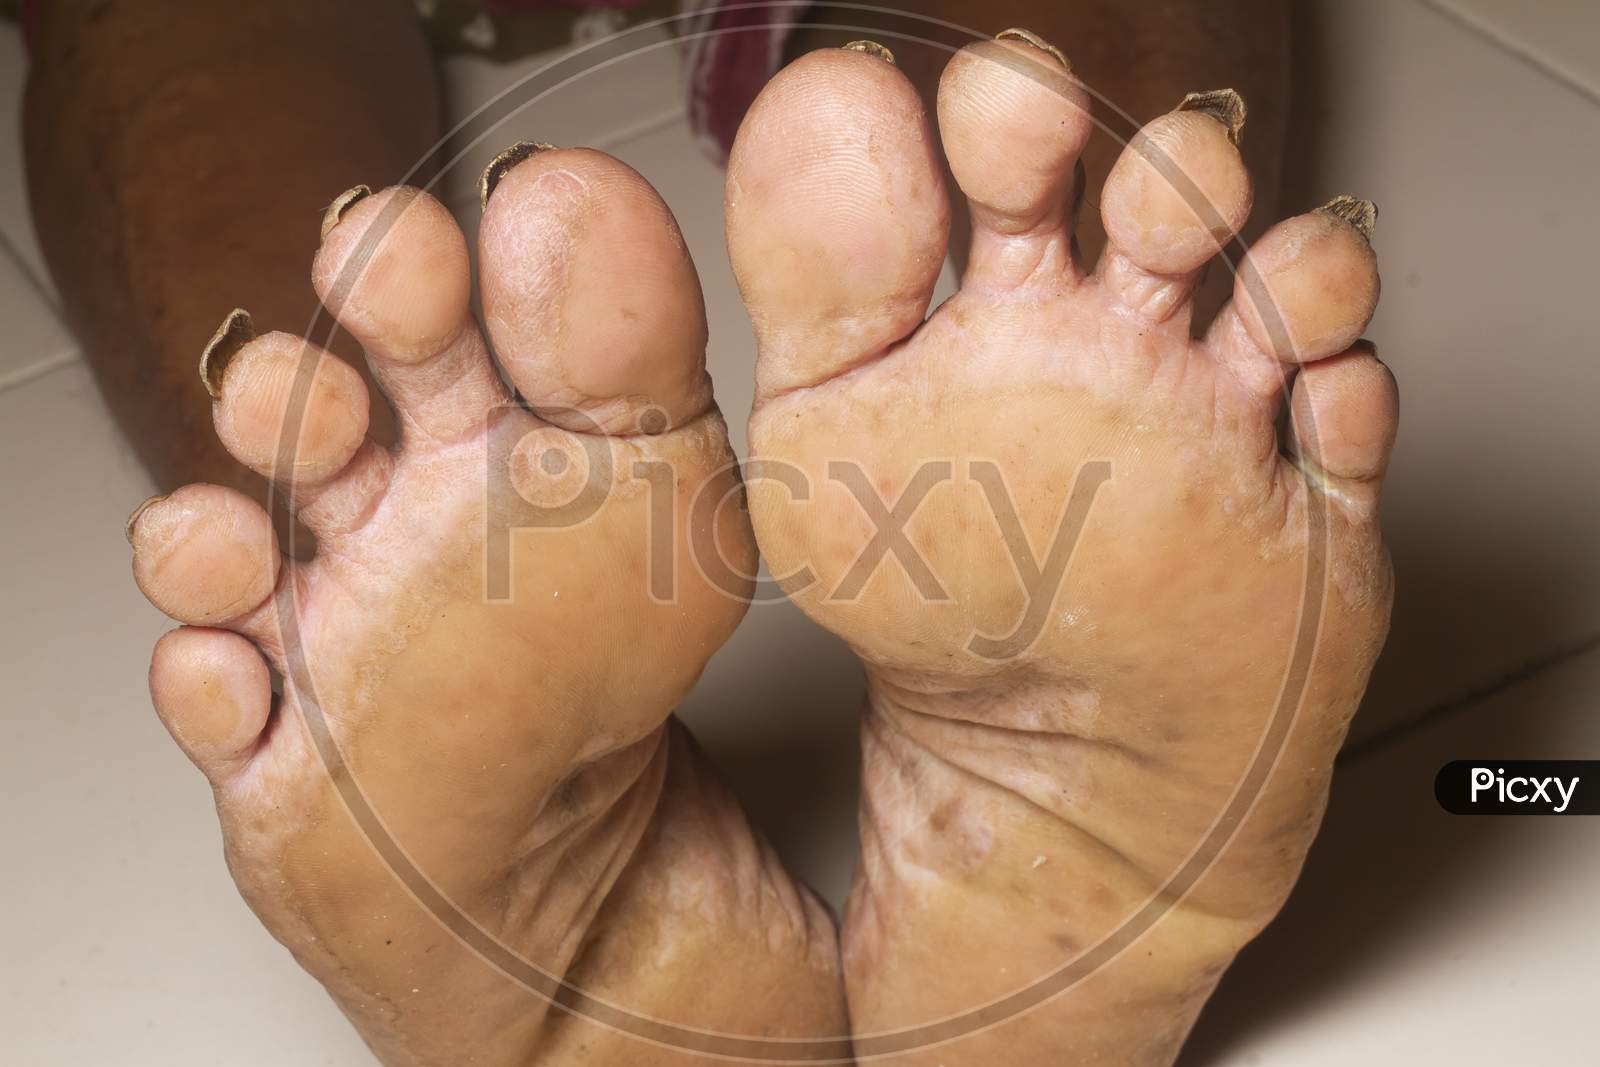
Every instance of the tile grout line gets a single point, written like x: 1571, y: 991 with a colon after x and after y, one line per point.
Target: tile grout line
x: 1478, y: 27
x: 643, y: 127
x: 23, y: 268
x: 38, y: 370
x: 1467, y: 701
x: 62, y: 358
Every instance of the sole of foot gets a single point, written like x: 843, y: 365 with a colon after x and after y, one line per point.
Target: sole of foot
x: 486, y: 649
x: 1066, y: 537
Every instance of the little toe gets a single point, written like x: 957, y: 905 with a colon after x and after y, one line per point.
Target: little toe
x: 1014, y: 121
x: 206, y: 555
x: 590, y: 296
x: 1345, y: 411
x: 1176, y: 195
x: 213, y: 693
x: 838, y: 218
x: 393, y: 269
x: 1305, y: 292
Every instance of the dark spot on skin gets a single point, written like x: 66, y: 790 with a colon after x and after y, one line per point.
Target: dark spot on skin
x: 564, y: 795
x: 653, y: 421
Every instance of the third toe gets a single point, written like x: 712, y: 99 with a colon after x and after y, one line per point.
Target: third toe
x: 286, y: 408
x: 1176, y: 195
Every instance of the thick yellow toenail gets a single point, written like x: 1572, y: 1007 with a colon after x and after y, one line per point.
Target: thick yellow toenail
x: 133, y: 519
x: 1224, y: 105
x: 1016, y: 33
x: 503, y: 162
x: 342, y: 203
x: 235, y: 332
x: 1362, y: 214
x: 871, y: 48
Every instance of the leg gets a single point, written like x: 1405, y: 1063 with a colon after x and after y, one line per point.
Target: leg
x: 175, y: 153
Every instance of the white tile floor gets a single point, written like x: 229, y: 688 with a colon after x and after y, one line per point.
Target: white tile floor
x: 1414, y: 937
x: 1561, y: 36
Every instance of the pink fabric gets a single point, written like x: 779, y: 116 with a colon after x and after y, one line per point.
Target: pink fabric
x: 517, y: 7
x: 731, y: 49
x: 27, y: 15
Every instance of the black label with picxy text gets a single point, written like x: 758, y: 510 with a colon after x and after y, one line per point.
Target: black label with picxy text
x: 1519, y: 787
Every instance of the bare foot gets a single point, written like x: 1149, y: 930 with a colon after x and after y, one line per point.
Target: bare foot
x: 503, y: 710
x: 1055, y: 722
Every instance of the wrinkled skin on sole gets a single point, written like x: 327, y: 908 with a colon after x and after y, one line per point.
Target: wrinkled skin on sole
x: 500, y: 618
x: 1060, y: 534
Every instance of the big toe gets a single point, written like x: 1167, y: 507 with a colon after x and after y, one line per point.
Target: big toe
x: 838, y: 217
x: 591, y: 298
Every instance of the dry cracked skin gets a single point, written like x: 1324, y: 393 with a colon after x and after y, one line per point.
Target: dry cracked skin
x: 1061, y: 532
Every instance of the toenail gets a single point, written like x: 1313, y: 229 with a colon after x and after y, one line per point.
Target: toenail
x: 1016, y: 33
x: 1362, y: 214
x: 342, y: 203
x: 235, y: 332
x: 871, y: 48
x: 133, y: 519
x: 1224, y: 105
x: 503, y: 162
